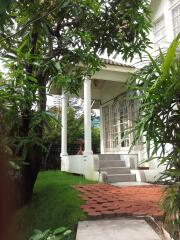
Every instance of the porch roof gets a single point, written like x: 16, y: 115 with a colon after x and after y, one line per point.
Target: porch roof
x: 112, y: 62
x: 114, y: 71
x: 107, y: 83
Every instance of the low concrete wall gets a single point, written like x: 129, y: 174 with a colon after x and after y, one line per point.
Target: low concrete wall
x: 84, y: 165
x: 151, y: 175
x: 73, y: 164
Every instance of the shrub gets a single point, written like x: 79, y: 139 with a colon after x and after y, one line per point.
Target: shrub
x: 60, y: 233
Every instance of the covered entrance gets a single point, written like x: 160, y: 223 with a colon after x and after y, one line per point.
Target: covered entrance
x: 115, y: 117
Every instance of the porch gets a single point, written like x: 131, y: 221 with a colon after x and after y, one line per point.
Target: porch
x: 115, y: 159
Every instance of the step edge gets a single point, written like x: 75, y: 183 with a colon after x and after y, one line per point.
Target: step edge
x: 121, y: 174
x: 116, y: 168
x: 112, y: 161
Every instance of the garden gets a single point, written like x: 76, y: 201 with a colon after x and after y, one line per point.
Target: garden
x: 43, y: 45
x: 54, y: 204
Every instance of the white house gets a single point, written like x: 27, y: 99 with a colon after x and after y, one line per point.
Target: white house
x: 116, y: 163
x: 166, y: 21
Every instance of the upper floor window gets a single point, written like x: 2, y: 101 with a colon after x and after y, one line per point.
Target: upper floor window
x: 173, y: 1
x: 176, y: 19
x: 159, y: 31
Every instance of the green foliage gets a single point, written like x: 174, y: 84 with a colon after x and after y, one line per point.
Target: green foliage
x: 4, y: 6
x: 96, y: 136
x: 75, y: 126
x: 17, y: 102
x: 47, y: 43
x: 75, y: 31
x: 170, y: 204
x: 157, y: 88
x: 60, y: 233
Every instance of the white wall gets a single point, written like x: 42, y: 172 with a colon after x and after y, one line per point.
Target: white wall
x: 163, y: 8
x: 83, y: 165
x: 159, y: 8
x: 73, y: 164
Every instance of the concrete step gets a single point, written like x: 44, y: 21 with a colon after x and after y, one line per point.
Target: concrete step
x: 109, y: 156
x: 111, y: 163
x: 116, y: 170
x: 112, y: 178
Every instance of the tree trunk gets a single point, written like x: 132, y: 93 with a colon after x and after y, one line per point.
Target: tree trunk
x: 29, y: 174
x: 30, y: 169
x: 33, y: 162
x: 6, y: 200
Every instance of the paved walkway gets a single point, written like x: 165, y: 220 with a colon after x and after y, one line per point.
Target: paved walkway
x: 119, y: 229
x: 104, y: 200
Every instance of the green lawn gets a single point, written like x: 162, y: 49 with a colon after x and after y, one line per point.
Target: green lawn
x: 55, y: 203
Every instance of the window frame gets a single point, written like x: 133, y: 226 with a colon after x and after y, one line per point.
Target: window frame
x: 172, y: 3
x: 155, y: 32
x: 116, y: 118
x: 173, y: 7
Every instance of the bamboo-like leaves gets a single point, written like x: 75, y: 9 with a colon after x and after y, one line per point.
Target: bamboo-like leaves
x: 157, y: 87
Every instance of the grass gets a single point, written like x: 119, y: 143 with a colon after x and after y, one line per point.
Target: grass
x: 54, y: 203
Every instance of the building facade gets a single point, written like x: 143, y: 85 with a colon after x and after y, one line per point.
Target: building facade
x: 166, y: 22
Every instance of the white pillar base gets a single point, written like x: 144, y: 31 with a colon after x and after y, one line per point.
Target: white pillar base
x: 89, y: 166
x: 63, y: 154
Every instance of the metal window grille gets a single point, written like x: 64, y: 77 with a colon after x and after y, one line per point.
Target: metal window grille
x: 106, y: 126
x: 117, y: 120
x: 159, y: 31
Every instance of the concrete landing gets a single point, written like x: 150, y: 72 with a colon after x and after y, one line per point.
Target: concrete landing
x: 118, y: 229
x: 125, y: 184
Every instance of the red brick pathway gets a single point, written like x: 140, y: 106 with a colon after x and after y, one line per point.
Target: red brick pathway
x: 104, y: 200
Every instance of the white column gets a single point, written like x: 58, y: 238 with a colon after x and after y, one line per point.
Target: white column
x: 87, y: 118
x: 64, y: 124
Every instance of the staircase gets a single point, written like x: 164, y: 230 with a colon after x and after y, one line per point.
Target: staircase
x: 115, y: 169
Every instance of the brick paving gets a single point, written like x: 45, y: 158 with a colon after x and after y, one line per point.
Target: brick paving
x: 104, y: 200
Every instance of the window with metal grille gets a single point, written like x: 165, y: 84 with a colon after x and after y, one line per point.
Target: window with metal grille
x: 117, y: 120
x: 159, y: 31
x: 114, y: 126
x: 124, y: 124
x: 106, y: 126
x: 176, y: 19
